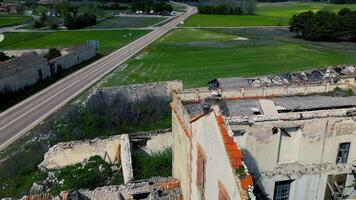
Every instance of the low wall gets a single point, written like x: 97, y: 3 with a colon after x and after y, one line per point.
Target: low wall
x: 69, y: 153
x: 201, y: 94
x: 136, y: 92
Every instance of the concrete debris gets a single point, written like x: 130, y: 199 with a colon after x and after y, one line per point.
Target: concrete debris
x: 318, y: 76
x: 156, y: 188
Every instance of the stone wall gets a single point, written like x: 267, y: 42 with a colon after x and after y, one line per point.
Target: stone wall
x: 69, y: 153
x: 136, y: 92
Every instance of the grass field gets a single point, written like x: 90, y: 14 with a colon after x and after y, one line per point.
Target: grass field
x: 128, y: 22
x: 196, y: 56
x: 6, y: 20
x: 267, y: 14
x: 109, y: 39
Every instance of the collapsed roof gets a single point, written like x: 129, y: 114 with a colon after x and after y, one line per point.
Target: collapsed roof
x: 246, y: 107
x: 317, y: 76
x: 21, y: 63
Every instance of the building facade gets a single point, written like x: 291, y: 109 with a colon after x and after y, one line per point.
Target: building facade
x: 297, y: 139
x: 72, y: 57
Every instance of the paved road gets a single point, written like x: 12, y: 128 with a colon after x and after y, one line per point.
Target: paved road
x: 19, y: 119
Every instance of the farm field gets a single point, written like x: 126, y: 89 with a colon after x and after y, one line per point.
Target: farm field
x: 109, y: 39
x: 267, y: 14
x: 196, y: 56
x: 128, y: 22
x: 6, y: 20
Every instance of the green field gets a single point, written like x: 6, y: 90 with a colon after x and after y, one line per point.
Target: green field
x: 6, y: 20
x: 267, y: 14
x: 109, y: 39
x: 128, y: 22
x: 196, y: 56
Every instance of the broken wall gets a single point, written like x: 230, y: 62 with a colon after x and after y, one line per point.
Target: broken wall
x: 69, y: 153
x: 136, y: 92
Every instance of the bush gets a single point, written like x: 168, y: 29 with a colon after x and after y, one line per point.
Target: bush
x: 3, y: 57
x: 38, y: 24
x: 54, y: 26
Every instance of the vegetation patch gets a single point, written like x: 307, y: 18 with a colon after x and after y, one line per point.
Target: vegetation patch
x: 267, y: 51
x: 109, y: 39
x: 156, y: 164
x: 338, y: 92
x: 90, y: 174
x: 128, y: 22
x: 12, y: 20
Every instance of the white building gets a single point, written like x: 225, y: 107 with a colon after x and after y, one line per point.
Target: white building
x: 25, y: 70
x: 297, y: 144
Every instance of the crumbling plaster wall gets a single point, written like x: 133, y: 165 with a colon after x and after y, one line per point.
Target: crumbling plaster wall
x: 316, y: 148
x: 158, y: 143
x: 206, y: 133
x: 69, y: 153
x: 181, y: 155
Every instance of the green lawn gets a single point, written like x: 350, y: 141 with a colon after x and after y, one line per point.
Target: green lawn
x: 267, y: 14
x: 109, y: 39
x: 128, y: 22
x: 196, y: 56
x: 6, y: 20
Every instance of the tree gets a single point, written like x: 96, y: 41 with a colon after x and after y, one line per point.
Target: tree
x: 41, y: 10
x: 248, y: 7
x: 53, y: 53
x: 298, y: 22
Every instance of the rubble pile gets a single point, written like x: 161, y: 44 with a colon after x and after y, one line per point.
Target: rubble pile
x: 154, y: 188
x: 317, y: 76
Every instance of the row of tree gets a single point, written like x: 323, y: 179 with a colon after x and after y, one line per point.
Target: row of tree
x: 227, y: 7
x: 149, y: 5
x: 325, y: 26
x: 79, y: 21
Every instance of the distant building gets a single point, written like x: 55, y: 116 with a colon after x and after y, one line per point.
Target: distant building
x: 72, y: 57
x: 295, y: 142
x: 8, y: 7
x: 25, y: 70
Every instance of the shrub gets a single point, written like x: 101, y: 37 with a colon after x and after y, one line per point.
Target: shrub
x: 54, y: 26
x: 38, y: 24
x: 3, y: 57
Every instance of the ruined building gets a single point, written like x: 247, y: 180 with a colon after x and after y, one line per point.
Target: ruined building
x: 282, y: 137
